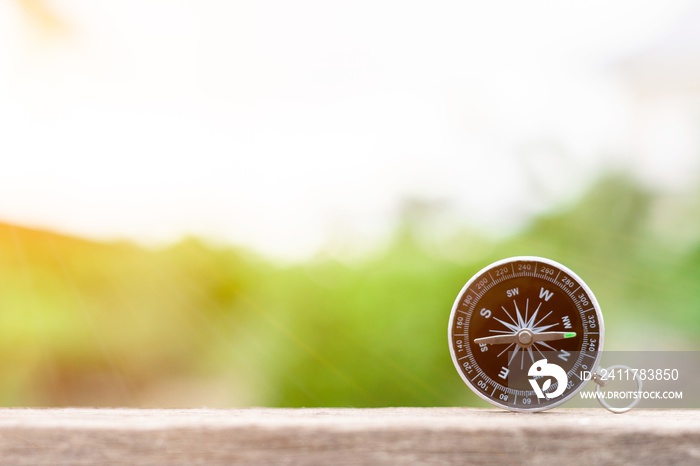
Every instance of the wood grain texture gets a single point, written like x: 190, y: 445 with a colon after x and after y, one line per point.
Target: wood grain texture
x: 391, y: 436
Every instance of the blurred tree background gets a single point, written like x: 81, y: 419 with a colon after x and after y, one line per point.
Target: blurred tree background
x: 162, y: 107
x: 201, y: 324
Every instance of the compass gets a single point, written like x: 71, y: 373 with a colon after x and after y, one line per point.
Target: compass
x: 523, y: 332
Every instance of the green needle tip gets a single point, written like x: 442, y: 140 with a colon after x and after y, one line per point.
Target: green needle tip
x: 569, y: 334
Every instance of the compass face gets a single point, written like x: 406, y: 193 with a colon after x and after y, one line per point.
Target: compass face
x: 523, y: 332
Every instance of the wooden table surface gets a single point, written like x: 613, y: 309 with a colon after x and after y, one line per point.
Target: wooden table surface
x: 391, y: 436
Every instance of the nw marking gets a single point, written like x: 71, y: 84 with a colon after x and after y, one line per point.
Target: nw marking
x: 566, y: 321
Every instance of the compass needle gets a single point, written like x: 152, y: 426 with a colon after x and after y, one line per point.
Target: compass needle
x: 496, y: 339
x: 506, y: 358
x: 551, y: 336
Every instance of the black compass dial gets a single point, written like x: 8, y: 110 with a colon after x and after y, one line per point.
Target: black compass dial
x: 522, y: 331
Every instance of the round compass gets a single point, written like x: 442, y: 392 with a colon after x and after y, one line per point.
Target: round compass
x: 523, y: 333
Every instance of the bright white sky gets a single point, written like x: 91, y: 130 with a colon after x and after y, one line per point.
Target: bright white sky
x: 277, y: 124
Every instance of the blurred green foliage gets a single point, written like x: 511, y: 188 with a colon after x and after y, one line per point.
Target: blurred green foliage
x: 87, y: 323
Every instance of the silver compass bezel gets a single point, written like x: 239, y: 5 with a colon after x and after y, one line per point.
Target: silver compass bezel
x: 594, y: 303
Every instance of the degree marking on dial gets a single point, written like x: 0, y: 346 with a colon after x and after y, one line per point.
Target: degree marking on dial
x: 572, y: 295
